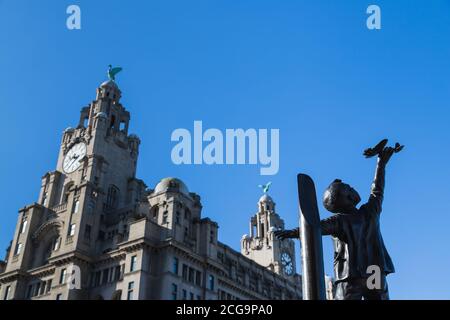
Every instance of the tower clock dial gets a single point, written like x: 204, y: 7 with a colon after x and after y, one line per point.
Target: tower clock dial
x: 73, y: 157
x: 288, y: 265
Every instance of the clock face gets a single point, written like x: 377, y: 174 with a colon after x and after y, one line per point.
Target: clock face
x: 288, y: 265
x: 73, y: 157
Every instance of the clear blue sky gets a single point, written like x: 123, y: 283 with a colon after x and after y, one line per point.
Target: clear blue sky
x: 310, y: 68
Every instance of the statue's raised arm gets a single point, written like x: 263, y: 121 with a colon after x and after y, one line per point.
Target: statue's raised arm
x: 384, y: 155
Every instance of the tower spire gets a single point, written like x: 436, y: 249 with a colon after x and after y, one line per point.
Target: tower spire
x: 261, y: 246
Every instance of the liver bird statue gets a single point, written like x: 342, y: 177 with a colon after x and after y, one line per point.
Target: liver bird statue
x: 113, y: 71
x: 265, y: 187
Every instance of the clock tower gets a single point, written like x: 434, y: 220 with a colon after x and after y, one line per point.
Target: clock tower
x: 262, y: 246
x: 95, y: 172
x: 84, y: 206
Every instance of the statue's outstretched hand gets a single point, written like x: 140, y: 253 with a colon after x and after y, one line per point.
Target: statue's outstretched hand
x: 287, y: 234
x: 387, y: 152
x: 384, y: 153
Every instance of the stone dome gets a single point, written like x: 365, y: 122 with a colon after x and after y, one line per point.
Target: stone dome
x: 171, y: 184
x: 266, y: 198
x: 109, y: 83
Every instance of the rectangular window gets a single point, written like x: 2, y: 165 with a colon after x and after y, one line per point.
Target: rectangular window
x: 97, y: 278
x: 7, y: 290
x: 211, y: 282
x: 198, y: 278
x: 37, y: 288
x: 191, y: 295
x: 62, y: 276
x: 165, y: 216
x: 87, y: 232
x: 75, y: 207
x: 130, y: 291
x: 72, y: 229
x: 111, y: 274
x: 42, y: 291
x: 49, y: 286
x: 185, y: 272
x: 184, y: 294
x: 191, y: 275
x: 175, y: 266
x: 174, y: 291
x: 56, y: 244
x: 18, y: 249
x: 59, y: 296
x: 29, y: 291
x: 91, y: 206
x: 117, y: 273
x: 44, y: 199
x: 133, y: 263
x: 23, y: 227
x: 199, y: 298
x: 105, y: 276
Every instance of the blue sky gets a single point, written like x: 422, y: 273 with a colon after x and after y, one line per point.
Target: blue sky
x: 309, y: 68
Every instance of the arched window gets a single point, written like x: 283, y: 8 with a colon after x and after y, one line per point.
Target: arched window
x: 50, y: 245
x: 113, y: 122
x: 122, y: 126
x: 154, y: 212
x: 112, y: 200
x: 187, y: 214
x: 66, y: 192
x: 165, y: 217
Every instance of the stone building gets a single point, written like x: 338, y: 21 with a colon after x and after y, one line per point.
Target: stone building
x: 98, y: 232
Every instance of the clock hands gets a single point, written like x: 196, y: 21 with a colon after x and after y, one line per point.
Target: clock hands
x: 286, y: 261
x: 73, y: 158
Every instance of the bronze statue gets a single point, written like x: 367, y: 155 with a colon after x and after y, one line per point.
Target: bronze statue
x: 358, y: 244
x: 112, y: 72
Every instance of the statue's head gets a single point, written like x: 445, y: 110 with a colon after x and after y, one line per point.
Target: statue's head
x: 340, y: 197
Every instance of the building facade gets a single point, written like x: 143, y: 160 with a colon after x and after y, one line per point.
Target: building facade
x: 98, y: 232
